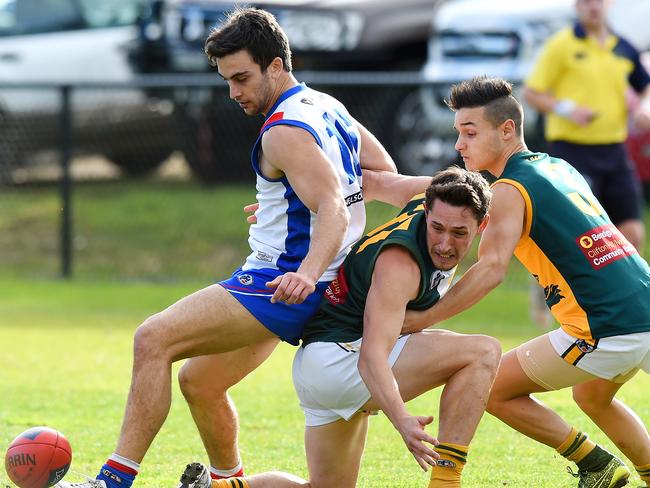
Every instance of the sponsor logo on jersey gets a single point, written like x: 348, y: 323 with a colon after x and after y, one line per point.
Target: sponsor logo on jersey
x: 337, y: 291
x: 307, y: 101
x: 354, y: 198
x: 604, y: 245
x: 264, y: 256
x: 245, y: 279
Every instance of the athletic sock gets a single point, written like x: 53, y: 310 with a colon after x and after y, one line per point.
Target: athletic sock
x: 230, y: 483
x: 118, y: 472
x: 644, y: 473
x: 219, y: 474
x: 446, y: 473
x: 577, y: 447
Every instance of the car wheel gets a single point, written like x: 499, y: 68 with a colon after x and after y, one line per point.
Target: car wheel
x: 421, y: 138
x: 216, y: 140
x: 136, y: 164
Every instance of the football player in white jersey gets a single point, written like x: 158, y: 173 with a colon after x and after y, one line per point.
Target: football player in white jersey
x: 308, y: 160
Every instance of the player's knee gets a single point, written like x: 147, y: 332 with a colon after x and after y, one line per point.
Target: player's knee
x: 590, y: 401
x: 148, y: 340
x: 488, y: 352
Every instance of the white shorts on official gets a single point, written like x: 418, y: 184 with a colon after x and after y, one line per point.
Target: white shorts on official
x: 612, y: 357
x: 327, y: 380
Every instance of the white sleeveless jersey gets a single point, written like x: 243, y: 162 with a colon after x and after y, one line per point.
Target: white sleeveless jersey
x: 282, y: 235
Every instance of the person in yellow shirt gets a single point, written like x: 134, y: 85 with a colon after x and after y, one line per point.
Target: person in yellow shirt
x: 580, y: 82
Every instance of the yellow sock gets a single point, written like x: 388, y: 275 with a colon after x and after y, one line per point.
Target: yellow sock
x: 576, y: 446
x: 446, y: 473
x: 230, y: 483
x: 644, y: 473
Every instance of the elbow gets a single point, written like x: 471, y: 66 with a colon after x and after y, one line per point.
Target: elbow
x: 494, y: 272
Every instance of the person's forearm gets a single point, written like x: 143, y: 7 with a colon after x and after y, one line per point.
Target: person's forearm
x: 330, y: 226
x: 543, y: 102
x: 392, y: 188
x: 380, y: 381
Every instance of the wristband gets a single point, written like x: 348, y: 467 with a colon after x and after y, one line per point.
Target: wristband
x: 564, y: 107
x: 645, y: 104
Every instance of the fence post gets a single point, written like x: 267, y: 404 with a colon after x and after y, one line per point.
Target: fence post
x: 66, y: 184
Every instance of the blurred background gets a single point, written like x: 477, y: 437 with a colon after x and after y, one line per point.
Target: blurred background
x: 121, y: 155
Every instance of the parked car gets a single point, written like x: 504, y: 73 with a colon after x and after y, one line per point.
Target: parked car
x: 74, y: 41
x: 497, y: 38
x: 325, y: 35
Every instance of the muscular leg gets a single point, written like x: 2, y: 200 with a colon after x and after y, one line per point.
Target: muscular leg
x: 204, y: 381
x: 206, y: 322
x: 334, y: 452
x: 466, y: 364
x: 510, y: 402
x: 616, y: 420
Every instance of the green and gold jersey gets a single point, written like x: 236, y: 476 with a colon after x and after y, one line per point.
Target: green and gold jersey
x: 340, y: 315
x: 596, y: 283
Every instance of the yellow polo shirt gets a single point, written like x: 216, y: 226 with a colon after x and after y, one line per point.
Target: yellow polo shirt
x: 576, y: 67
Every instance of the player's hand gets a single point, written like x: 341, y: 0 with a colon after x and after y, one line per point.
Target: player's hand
x: 582, y: 116
x: 291, y: 288
x: 411, y: 429
x: 251, y: 209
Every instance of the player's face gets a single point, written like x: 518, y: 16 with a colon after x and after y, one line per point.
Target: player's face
x: 592, y: 12
x: 450, y: 232
x: 479, y: 142
x: 249, y: 86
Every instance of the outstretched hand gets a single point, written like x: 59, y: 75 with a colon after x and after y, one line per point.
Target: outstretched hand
x: 411, y: 429
x: 291, y: 288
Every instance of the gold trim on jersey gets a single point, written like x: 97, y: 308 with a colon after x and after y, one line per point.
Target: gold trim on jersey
x: 528, y: 216
x: 379, y: 234
x: 573, y: 319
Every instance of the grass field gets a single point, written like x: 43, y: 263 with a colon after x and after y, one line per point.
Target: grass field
x: 66, y: 346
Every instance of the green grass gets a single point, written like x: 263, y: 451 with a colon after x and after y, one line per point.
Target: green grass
x: 66, y: 363
x: 66, y: 345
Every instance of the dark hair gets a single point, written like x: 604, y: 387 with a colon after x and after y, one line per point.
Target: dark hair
x: 252, y: 29
x: 461, y: 188
x: 494, y: 94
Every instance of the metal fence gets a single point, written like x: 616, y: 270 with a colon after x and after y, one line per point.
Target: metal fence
x: 139, y: 125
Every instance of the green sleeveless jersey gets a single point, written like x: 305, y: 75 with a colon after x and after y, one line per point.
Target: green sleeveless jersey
x: 596, y: 283
x: 340, y: 315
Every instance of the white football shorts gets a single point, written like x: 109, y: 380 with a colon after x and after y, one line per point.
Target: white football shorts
x: 610, y: 358
x: 327, y: 380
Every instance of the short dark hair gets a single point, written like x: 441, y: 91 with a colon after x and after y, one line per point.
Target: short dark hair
x: 252, y: 29
x: 495, y: 94
x: 461, y: 188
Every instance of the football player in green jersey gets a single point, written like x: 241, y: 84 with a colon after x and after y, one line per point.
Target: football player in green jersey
x: 596, y: 285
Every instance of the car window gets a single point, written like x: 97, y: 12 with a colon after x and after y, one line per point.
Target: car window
x: 109, y: 13
x: 18, y: 17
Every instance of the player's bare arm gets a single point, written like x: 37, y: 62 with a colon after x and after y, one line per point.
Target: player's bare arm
x: 373, y: 155
x: 392, y: 188
x: 498, y: 241
x: 395, y: 281
x: 546, y: 103
x: 642, y: 115
x: 293, y: 152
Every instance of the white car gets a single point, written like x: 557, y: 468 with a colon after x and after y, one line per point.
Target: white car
x: 48, y: 42
x: 495, y: 38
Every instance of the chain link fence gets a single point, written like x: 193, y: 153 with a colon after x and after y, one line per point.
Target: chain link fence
x: 61, y: 133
